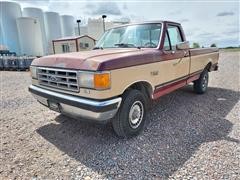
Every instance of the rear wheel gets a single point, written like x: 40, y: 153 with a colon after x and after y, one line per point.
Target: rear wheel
x: 130, y: 118
x: 200, y: 85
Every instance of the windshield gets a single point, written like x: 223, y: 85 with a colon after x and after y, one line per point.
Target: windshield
x: 132, y: 36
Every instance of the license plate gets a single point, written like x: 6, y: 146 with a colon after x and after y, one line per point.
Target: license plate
x: 53, y: 106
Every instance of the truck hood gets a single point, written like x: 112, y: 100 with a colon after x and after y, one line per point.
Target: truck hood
x: 94, y: 60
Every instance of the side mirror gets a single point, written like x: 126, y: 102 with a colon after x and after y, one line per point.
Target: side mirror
x: 183, y: 45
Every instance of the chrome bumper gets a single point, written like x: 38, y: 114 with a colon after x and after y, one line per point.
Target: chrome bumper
x: 78, y: 107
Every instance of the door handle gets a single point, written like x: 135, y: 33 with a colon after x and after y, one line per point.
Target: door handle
x: 185, y: 54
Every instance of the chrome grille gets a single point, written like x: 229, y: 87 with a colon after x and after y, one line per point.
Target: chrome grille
x: 58, y: 78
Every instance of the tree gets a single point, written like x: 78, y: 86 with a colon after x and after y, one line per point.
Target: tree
x: 196, y: 45
x: 213, y: 45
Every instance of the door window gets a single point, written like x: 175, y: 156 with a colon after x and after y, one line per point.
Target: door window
x: 174, y: 35
x: 167, y: 46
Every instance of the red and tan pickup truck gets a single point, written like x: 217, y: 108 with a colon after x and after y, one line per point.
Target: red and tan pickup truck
x: 130, y: 66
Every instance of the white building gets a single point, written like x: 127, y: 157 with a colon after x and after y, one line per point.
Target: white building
x: 73, y: 44
x: 95, y: 27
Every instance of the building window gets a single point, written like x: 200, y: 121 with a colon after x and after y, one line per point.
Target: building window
x: 84, y: 45
x: 65, y: 48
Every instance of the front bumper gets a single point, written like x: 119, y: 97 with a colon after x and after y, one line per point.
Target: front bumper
x: 78, y: 107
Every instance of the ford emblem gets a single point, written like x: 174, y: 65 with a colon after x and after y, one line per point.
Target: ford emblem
x: 53, y: 78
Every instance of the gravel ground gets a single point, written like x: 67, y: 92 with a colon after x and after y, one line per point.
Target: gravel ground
x: 188, y: 136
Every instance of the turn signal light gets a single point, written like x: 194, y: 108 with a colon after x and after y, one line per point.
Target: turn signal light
x: 102, y: 81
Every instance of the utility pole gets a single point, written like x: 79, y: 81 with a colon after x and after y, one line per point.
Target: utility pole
x: 103, y: 17
x: 78, y: 22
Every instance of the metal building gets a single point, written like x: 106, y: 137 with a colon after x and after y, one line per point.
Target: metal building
x: 10, y: 11
x: 73, y: 44
x: 67, y: 25
x: 83, y: 30
x: 52, y: 27
x: 95, y: 27
x: 30, y: 36
x: 37, y: 13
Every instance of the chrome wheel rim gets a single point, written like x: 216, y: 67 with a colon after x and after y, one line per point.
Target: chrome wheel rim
x: 205, y: 81
x: 136, y: 114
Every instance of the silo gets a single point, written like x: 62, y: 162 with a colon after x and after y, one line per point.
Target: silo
x: 53, y: 28
x: 67, y: 24
x: 37, y: 13
x: 9, y: 12
x: 30, y: 36
x: 1, y: 35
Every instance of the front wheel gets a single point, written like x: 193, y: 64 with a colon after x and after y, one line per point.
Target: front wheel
x: 200, y: 85
x: 130, y: 118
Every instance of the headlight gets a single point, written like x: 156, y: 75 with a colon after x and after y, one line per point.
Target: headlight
x: 33, y: 71
x: 94, y: 80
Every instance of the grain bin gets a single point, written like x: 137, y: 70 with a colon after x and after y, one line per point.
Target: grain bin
x: 31, y: 37
x: 37, y: 13
x: 53, y: 28
x: 10, y: 11
x: 67, y: 25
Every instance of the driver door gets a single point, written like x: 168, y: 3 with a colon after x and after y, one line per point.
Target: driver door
x: 179, y: 59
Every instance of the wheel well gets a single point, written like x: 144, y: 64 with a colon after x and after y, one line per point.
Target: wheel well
x: 142, y: 86
x: 208, y: 66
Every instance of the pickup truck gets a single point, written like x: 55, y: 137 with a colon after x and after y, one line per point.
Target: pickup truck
x: 130, y: 66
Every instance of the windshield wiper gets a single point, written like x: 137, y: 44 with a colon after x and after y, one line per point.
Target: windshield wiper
x: 98, y: 48
x: 125, y: 45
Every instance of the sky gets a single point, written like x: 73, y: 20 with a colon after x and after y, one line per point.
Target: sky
x: 204, y: 21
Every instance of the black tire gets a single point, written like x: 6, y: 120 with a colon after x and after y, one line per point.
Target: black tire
x: 200, y: 85
x: 123, y: 125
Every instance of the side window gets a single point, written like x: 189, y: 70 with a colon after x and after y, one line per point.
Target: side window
x: 174, y: 35
x: 65, y: 48
x: 84, y: 45
x: 166, y: 43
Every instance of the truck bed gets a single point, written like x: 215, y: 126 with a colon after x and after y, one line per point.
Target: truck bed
x: 198, y: 51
